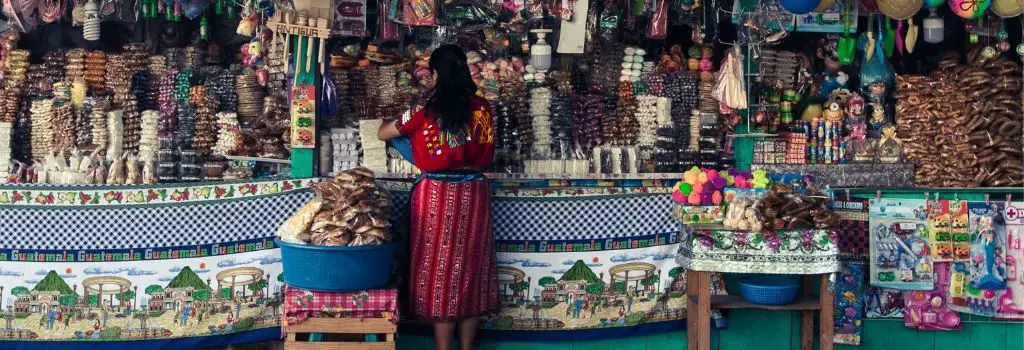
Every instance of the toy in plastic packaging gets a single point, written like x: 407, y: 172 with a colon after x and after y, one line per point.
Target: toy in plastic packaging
x: 988, y: 243
x: 959, y: 222
x: 849, y: 303
x: 853, y: 226
x: 883, y: 303
x: 929, y: 310
x: 1011, y: 299
x: 468, y: 16
x: 900, y: 252
x: 939, y: 230
x: 420, y: 12
x: 388, y: 29
x: 976, y: 281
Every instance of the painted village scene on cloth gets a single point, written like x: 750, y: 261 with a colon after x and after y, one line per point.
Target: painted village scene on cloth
x: 135, y: 300
x: 585, y: 290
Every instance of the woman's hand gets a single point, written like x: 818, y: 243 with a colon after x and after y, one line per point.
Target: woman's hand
x: 388, y: 131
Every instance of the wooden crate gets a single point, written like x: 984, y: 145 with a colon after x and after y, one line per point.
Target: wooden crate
x: 342, y: 333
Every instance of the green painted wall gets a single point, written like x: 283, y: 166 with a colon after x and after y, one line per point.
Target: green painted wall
x: 776, y: 330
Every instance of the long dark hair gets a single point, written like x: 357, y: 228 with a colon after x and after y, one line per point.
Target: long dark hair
x: 453, y: 90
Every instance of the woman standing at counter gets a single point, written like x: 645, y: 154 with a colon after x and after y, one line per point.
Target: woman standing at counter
x: 453, y: 276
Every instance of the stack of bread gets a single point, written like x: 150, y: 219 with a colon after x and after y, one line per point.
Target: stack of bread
x: 349, y: 210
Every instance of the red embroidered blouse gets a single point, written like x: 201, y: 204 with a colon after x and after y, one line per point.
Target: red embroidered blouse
x: 434, y: 150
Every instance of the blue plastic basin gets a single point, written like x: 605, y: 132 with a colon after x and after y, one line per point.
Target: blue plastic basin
x: 336, y: 269
x: 767, y: 289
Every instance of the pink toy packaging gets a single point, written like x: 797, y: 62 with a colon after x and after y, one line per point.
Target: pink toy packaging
x: 1011, y: 299
x: 929, y: 310
x: 883, y: 303
x: 977, y: 280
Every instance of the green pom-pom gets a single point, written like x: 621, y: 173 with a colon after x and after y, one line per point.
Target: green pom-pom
x: 685, y: 188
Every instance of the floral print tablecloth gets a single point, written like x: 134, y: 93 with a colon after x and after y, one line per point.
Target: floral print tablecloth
x: 802, y: 252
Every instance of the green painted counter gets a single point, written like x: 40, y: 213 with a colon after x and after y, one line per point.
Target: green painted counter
x: 773, y: 330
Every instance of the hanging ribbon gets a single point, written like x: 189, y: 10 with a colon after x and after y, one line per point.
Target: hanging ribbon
x: 899, y: 37
x: 889, y: 39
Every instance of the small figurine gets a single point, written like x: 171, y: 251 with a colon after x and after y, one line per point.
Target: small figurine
x: 890, y: 148
x: 874, y: 125
x: 834, y: 111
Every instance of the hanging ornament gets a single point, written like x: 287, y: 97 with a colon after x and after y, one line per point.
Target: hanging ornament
x: 1002, y: 38
x: 203, y: 30
x: 889, y: 39
x: 933, y: 4
x: 91, y: 26
x: 49, y: 11
x: 911, y: 35
x: 78, y: 13
x: 970, y: 9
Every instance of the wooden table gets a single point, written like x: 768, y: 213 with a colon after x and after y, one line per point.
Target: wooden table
x: 811, y: 253
x: 698, y: 321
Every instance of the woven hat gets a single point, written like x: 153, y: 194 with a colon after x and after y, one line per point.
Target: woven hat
x: 1007, y: 8
x: 899, y: 9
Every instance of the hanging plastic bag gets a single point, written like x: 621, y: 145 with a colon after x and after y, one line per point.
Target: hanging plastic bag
x: 469, y: 16
x: 658, y: 27
x: 729, y: 90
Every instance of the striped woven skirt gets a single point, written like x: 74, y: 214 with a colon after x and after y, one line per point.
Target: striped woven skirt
x: 452, y: 269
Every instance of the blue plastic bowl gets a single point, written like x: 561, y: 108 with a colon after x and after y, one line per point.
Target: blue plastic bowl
x: 766, y: 289
x: 336, y: 269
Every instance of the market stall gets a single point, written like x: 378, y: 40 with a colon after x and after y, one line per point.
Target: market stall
x: 621, y: 128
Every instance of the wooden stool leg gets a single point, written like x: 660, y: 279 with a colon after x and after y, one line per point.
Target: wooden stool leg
x: 807, y: 317
x: 692, y: 284
x: 806, y: 330
x: 704, y: 311
x: 827, y: 309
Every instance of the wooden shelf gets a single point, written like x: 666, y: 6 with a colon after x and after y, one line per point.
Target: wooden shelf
x: 737, y: 302
x: 259, y: 159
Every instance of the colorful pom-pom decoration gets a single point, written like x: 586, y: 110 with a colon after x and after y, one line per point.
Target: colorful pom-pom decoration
x: 678, y: 196
x: 685, y: 188
x: 694, y: 198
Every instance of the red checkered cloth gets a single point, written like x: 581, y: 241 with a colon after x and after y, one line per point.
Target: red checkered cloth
x: 301, y: 304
